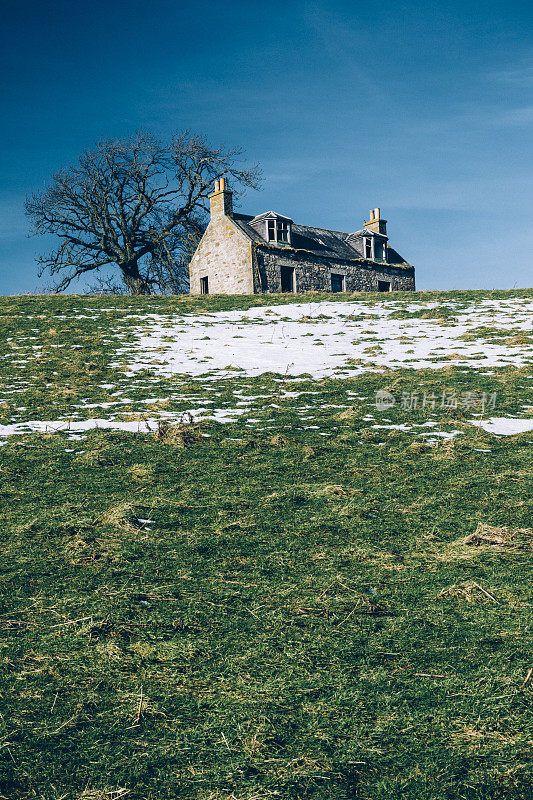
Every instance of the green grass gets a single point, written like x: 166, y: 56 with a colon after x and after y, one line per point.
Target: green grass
x: 302, y: 615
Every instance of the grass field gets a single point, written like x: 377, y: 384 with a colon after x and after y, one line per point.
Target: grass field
x: 228, y: 573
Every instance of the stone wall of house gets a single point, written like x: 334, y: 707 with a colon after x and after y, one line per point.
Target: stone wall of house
x: 224, y: 257
x: 312, y: 274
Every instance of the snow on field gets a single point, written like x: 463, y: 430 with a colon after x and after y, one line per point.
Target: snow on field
x: 504, y: 426
x: 322, y: 339
x: 339, y: 339
x: 74, y: 427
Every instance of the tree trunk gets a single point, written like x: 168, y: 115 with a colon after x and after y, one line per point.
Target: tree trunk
x: 133, y: 279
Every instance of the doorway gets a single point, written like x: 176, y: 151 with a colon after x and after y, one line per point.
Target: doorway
x: 204, y: 285
x: 337, y: 283
x: 383, y: 286
x: 287, y: 279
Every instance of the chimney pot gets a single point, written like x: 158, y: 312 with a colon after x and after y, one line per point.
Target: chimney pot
x: 376, y: 213
x: 222, y: 184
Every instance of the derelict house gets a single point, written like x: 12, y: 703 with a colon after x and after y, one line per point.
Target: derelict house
x: 241, y: 254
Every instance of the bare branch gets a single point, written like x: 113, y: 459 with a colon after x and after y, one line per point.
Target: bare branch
x: 137, y: 205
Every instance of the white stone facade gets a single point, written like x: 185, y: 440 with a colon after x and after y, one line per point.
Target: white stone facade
x: 224, y: 256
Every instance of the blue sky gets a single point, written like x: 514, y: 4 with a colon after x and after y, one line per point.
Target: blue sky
x: 424, y: 110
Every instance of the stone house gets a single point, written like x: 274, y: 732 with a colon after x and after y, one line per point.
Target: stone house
x: 241, y: 254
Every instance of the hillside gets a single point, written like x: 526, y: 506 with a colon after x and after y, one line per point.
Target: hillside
x: 266, y: 547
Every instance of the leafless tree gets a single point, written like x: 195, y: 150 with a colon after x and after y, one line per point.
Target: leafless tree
x: 135, y: 204
x: 168, y: 271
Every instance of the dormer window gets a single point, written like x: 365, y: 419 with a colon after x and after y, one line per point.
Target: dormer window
x: 273, y: 227
x: 277, y: 230
x: 368, y: 248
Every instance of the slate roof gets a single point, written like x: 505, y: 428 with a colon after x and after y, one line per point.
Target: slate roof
x: 319, y: 241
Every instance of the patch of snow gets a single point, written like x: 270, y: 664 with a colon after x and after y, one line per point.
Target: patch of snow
x: 504, y: 426
x: 75, y: 427
x: 266, y: 343
x: 442, y: 435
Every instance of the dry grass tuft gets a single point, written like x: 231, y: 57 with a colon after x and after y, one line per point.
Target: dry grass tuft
x: 331, y: 490
x: 141, y: 472
x: 487, y: 539
x: 122, y: 517
x: 469, y: 591
x: 183, y: 434
x: 278, y: 441
x: 522, y: 340
x: 103, y: 794
x: 444, y: 451
x: 490, y: 536
x: 78, y: 550
x: 349, y: 413
x: 418, y: 447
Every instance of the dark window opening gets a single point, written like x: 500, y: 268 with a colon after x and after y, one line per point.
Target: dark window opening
x: 271, y: 230
x: 368, y: 248
x: 383, y: 286
x: 283, y: 232
x: 287, y: 279
x: 337, y: 283
x: 204, y: 285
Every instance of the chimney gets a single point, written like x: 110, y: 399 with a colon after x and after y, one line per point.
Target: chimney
x: 375, y: 223
x: 221, y: 200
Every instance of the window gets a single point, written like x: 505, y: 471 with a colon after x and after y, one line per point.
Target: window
x: 277, y: 230
x: 204, y: 285
x: 383, y: 286
x: 282, y: 231
x: 368, y: 248
x: 288, y: 282
x: 337, y: 283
